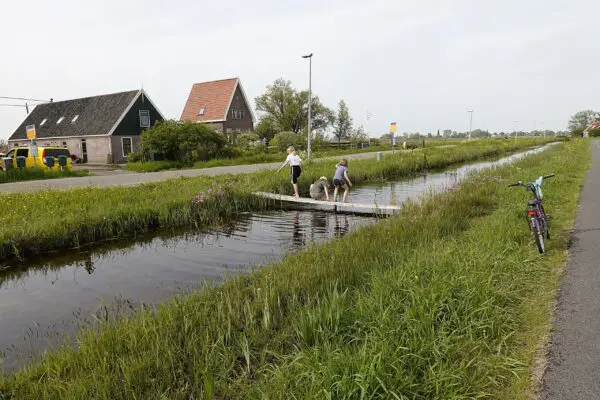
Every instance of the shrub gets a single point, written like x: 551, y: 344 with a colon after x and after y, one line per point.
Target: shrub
x: 182, y: 142
x: 248, y: 141
x: 283, y: 140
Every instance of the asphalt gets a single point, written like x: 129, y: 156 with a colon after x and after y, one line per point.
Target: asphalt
x: 129, y: 179
x: 573, y: 370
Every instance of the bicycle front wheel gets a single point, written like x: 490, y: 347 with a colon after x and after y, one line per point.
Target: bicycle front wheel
x: 538, y: 235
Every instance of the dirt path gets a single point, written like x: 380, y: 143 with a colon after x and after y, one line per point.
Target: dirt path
x: 574, y: 360
x: 128, y: 179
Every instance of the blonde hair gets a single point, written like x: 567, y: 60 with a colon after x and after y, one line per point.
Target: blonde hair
x: 291, y: 149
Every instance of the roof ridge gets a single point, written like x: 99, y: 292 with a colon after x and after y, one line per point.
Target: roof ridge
x: 92, y: 97
x: 218, y: 80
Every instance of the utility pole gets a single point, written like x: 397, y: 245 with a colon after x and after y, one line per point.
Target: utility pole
x: 309, y: 56
x: 470, y: 122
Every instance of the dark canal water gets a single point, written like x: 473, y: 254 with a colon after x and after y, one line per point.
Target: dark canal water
x: 43, y: 302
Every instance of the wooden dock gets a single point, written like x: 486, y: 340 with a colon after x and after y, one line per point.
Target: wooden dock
x: 304, y: 203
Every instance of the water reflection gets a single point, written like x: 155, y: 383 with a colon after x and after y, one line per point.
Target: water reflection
x: 41, y: 301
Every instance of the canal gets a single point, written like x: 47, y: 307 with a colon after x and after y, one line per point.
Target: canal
x: 42, y: 302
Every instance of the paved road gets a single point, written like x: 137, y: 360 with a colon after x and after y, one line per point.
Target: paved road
x: 574, y: 362
x: 127, y: 179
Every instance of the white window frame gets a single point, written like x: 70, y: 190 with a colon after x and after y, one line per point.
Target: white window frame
x: 43, y: 121
x: 202, y: 111
x: 60, y: 120
x: 75, y: 119
x: 148, y: 115
x: 123, y: 145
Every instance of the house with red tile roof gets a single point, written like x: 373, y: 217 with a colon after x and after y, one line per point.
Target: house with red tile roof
x: 222, y: 104
x: 593, y: 126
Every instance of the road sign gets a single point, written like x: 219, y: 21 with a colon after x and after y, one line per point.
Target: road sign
x: 393, y: 127
x: 30, y: 132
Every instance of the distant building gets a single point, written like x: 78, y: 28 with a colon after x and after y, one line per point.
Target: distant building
x: 593, y: 126
x: 222, y: 104
x: 101, y: 129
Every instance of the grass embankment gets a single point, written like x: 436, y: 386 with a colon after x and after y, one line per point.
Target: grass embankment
x: 36, y: 222
x: 261, y: 157
x: 447, y: 300
x: 31, y: 174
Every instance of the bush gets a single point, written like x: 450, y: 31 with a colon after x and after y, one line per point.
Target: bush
x: 283, y: 140
x: 248, y: 141
x: 182, y: 142
x: 229, y: 152
x: 594, y: 133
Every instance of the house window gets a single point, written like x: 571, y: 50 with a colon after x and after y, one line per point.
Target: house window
x: 201, y: 112
x: 60, y: 120
x: 64, y: 144
x: 74, y: 119
x: 126, y: 144
x: 242, y: 114
x: 145, y: 118
x: 43, y: 121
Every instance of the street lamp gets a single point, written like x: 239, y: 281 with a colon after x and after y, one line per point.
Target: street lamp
x: 309, y: 56
x: 516, y: 129
x: 470, y: 122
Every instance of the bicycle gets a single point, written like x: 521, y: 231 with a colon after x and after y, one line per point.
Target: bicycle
x: 536, y: 215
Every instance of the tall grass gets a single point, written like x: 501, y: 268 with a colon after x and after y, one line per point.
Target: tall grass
x: 46, y: 220
x: 444, y: 301
x: 30, y: 174
x: 257, y: 158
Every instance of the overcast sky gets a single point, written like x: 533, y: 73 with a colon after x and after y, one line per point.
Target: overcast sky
x: 422, y: 64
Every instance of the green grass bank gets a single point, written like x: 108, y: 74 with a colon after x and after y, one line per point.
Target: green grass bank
x: 32, y: 223
x: 448, y: 300
x: 250, y: 157
x: 31, y: 174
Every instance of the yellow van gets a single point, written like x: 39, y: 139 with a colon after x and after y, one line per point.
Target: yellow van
x: 39, y: 161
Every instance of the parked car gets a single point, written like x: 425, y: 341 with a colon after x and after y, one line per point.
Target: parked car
x: 39, y: 160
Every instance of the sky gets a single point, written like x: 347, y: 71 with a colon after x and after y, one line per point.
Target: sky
x: 522, y: 64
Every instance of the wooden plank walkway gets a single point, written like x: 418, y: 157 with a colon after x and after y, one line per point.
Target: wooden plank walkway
x: 304, y: 203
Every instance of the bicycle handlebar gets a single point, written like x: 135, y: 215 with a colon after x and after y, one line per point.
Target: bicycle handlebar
x: 549, y: 176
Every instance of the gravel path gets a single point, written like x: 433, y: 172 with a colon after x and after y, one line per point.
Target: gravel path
x: 574, y: 360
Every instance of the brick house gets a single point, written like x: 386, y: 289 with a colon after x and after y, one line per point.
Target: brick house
x: 222, y: 104
x: 101, y: 129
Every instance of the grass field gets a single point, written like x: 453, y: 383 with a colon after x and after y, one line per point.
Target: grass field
x: 36, y: 222
x: 449, y: 300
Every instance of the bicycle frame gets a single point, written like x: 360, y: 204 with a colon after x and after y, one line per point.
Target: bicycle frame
x: 535, y: 213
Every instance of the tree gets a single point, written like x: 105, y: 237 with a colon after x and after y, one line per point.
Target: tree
x: 3, y: 146
x: 581, y: 120
x: 342, y: 127
x: 183, y: 142
x: 358, y: 135
x: 287, y: 109
x: 266, y: 129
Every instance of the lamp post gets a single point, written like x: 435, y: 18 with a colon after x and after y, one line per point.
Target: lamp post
x: 309, y: 56
x: 470, y: 122
x: 516, y: 129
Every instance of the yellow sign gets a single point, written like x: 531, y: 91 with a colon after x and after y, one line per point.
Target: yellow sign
x: 30, y: 132
x: 393, y: 127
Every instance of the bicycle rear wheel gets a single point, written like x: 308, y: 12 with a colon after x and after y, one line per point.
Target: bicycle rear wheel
x: 538, y: 235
